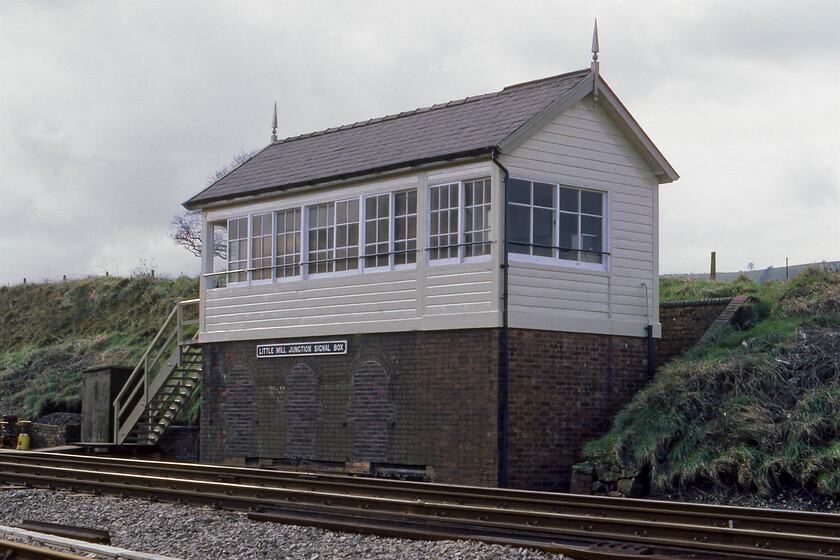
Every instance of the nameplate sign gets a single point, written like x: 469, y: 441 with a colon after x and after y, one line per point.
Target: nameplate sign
x: 292, y: 349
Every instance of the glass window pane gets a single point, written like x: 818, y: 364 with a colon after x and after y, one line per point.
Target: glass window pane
x: 590, y: 226
x: 569, y: 200
x: 544, y: 195
x: 590, y: 202
x: 569, y: 236
x: 543, y: 232
x: 519, y: 191
x: 412, y: 202
x: 520, y: 229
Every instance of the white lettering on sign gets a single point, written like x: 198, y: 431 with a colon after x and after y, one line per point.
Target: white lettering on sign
x: 288, y: 350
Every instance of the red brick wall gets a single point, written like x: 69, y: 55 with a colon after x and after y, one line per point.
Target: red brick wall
x: 423, y: 399
x: 684, y: 323
x: 565, y: 389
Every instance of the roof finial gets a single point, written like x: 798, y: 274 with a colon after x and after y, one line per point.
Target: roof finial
x: 274, y: 124
x: 595, y: 65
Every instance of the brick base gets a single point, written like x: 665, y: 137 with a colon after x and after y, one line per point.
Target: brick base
x: 423, y: 401
x: 564, y: 390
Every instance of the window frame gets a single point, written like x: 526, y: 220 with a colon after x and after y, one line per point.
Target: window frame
x: 253, y: 270
x: 297, y: 263
x: 460, y: 255
x: 301, y: 262
x: 241, y: 272
x: 555, y: 259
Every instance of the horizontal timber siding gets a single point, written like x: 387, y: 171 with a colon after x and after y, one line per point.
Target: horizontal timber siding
x: 454, y: 296
x: 583, y: 148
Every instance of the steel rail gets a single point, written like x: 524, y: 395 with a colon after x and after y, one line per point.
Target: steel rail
x: 813, y: 523
x: 62, y: 544
x: 759, y: 544
x: 10, y: 550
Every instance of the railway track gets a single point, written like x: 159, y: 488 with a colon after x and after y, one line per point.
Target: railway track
x: 578, y: 526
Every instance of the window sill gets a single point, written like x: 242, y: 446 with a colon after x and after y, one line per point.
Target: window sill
x: 560, y: 263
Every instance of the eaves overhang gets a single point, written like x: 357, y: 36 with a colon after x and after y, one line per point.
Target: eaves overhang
x: 338, y: 178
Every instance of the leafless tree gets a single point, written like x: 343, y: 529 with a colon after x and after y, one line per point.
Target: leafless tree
x: 185, y: 228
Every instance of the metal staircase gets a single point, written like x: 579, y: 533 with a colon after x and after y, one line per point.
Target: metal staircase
x: 165, y: 381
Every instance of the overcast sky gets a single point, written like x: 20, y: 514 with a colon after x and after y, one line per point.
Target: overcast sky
x: 114, y: 113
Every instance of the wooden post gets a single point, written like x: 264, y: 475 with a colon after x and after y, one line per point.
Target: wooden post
x: 106, y: 274
x: 787, y: 270
x: 24, y: 280
x: 713, y: 271
x: 153, y: 273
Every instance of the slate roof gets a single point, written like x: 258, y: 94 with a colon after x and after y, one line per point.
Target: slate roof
x: 467, y: 127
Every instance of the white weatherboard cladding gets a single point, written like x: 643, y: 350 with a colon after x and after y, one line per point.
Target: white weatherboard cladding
x: 584, y: 148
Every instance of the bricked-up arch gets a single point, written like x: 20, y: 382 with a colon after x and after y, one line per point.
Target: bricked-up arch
x: 301, y: 412
x: 240, y: 412
x: 369, y: 413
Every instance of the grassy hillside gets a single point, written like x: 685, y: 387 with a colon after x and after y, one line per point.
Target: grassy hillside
x: 754, y: 410
x: 50, y: 333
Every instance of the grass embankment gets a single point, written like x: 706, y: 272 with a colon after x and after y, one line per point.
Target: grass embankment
x: 754, y: 409
x: 50, y: 333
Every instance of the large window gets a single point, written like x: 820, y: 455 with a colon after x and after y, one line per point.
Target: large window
x: 377, y: 230
x: 405, y: 227
x: 581, y: 225
x: 287, y: 260
x: 459, y: 220
x: 334, y: 236
x: 238, y: 249
x: 550, y: 220
x: 443, y: 221
x: 477, y: 218
x: 261, y: 247
x: 372, y: 232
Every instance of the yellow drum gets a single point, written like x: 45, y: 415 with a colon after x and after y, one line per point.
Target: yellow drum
x: 23, y: 442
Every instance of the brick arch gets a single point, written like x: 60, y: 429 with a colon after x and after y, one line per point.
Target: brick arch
x: 240, y: 412
x: 301, y: 412
x: 369, y: 413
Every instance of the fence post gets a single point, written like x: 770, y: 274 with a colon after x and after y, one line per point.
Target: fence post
x: 713, y: 271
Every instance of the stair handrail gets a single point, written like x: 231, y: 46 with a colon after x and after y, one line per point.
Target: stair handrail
x: 144, y: 365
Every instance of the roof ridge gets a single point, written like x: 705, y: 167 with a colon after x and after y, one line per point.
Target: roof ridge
x: 437, y: 106
x: 540, y: 81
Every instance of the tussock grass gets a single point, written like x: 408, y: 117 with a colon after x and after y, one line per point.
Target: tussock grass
x: 50, y: 333
x: 756, y: 409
